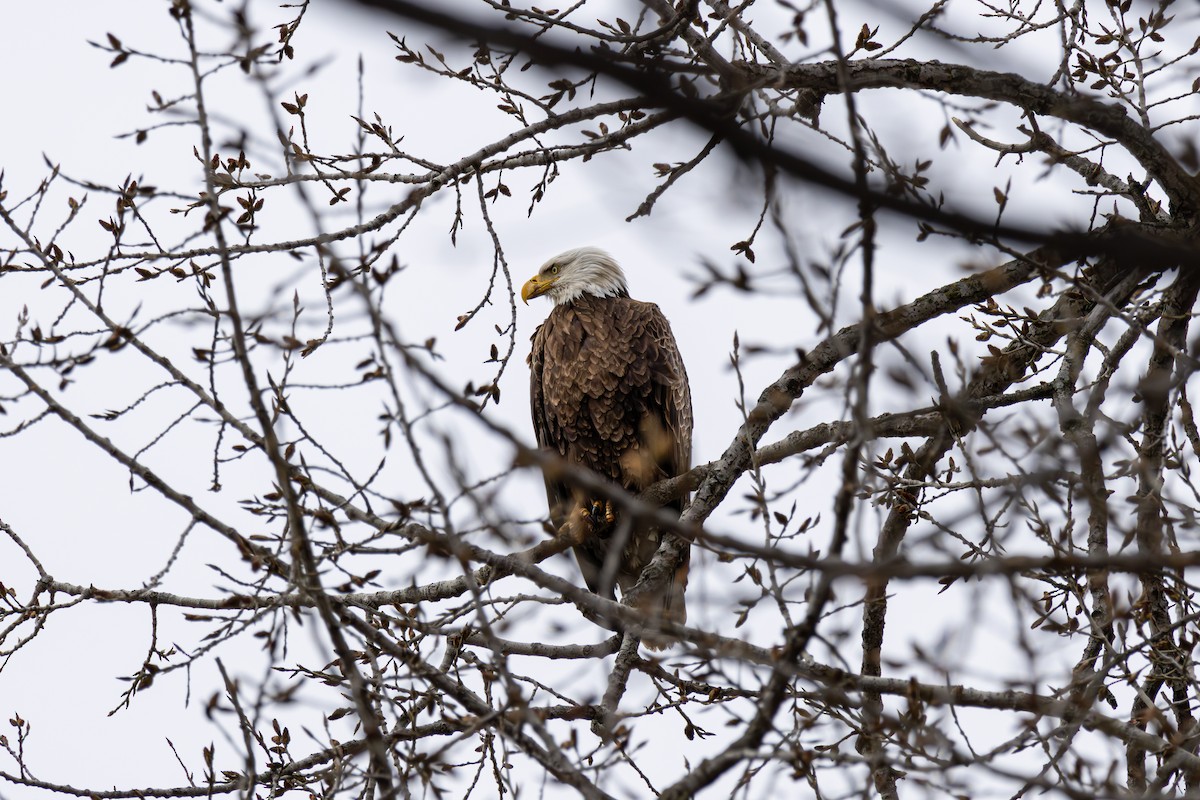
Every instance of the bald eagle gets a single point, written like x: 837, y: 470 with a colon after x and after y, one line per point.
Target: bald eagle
x: 609, y: 392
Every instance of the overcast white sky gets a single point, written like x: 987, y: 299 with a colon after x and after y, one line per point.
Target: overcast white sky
x: 59, y: 98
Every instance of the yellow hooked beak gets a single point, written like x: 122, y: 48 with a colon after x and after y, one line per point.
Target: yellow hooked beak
x: 536, y: 287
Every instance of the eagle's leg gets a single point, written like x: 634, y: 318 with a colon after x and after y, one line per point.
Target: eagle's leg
x: 610, y: 514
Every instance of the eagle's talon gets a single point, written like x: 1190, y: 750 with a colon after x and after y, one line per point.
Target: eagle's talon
x: 592, y: 512
x: 599, y: 516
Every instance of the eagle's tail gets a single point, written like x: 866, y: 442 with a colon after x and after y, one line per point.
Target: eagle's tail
x: 667, y: 605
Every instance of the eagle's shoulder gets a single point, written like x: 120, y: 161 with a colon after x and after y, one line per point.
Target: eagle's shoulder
x: 621, y: 316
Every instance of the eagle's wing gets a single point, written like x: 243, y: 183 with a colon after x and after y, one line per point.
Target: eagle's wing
x: 573, y: 395
x: 670, y: 403
x: 546, y: 427
x: 671, y: 398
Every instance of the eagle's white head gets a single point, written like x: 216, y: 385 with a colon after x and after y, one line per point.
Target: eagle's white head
x: 570, y: 275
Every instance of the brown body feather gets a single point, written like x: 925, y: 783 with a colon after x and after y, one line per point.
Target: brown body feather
x: 609, y: 392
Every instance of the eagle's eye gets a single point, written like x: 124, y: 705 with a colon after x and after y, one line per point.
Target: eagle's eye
x: 554, y: 270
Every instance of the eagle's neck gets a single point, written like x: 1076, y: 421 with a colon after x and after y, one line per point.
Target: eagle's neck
x: 592, y: 294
